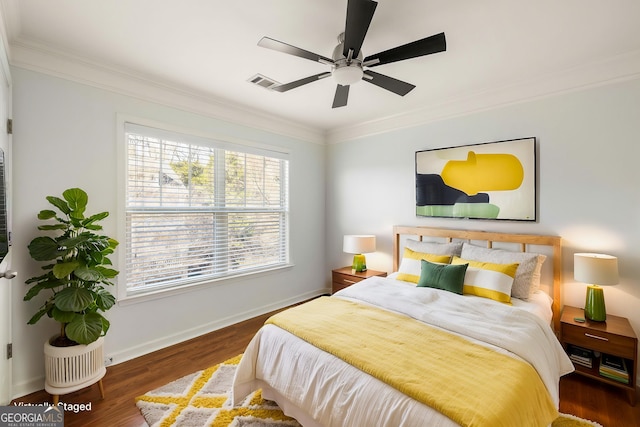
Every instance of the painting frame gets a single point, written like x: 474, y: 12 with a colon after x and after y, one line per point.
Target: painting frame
x: 491, y: 181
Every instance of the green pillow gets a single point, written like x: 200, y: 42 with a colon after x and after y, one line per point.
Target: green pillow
x: 443, y: 276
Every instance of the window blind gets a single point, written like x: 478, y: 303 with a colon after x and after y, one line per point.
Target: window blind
x: 199, y: 209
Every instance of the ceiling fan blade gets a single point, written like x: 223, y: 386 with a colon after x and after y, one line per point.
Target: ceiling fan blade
x: 270, y: 43
x: 426, y: 46
x: 341, y: 97
x: 292, y: 85
x: 359, y: 16
x: 389, y: 83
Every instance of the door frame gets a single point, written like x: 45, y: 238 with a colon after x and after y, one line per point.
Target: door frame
x: 6, y: 367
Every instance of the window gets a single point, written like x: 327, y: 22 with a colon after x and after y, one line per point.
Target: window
x: 199, y: 209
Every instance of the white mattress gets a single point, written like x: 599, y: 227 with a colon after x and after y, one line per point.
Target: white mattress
x: 319, y: 389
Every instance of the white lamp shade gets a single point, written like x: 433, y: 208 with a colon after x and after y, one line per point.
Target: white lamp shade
x: 359, y: 244
x: 596, y: 269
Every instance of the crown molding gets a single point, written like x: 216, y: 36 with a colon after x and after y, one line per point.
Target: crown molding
x: 615, y: 69
x: 41, y: 58
x: 37, y: 57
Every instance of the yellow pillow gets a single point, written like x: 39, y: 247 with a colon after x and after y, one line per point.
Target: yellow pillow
x: 488, y: 280
x: 411, y: 267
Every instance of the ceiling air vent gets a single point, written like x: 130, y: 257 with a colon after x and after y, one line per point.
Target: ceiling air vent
x: 263, y: 81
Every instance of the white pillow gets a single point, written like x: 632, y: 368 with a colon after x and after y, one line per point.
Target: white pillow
x: 527, y: 279
x: 453, y: 248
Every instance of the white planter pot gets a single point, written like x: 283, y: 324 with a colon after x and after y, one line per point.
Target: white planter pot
x: 68, y: 369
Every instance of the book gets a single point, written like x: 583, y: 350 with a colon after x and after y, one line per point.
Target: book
x: 615, y: 378
x: 579, y: 351
x: 580, y: 356
x: 613, y: 362
x: 614, y: 368
x: 580, y: 359
x: 582, y: 362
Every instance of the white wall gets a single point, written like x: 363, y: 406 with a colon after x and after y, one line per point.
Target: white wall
x: 65, y: 136
x: 589, y: 153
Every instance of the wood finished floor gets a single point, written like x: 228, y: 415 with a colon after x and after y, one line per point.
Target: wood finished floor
x: 123, y: 382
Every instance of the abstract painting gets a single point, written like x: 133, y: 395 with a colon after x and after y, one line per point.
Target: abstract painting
x: 495, y: 180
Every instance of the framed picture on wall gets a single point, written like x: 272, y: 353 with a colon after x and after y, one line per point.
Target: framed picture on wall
x: 494, y: 180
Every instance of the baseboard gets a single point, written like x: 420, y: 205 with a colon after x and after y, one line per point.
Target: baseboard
x: 167, y: 341
x: 37, y: 384
x: 27, y: 387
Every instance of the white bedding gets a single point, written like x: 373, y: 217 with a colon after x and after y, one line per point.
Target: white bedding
x: 539, y: 303
x: 319, y: 389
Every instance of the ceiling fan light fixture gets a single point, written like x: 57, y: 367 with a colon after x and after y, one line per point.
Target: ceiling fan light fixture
x: 348, y: 63
x: 347, y: 75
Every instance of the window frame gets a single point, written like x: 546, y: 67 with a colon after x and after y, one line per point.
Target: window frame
x: 124, y: 123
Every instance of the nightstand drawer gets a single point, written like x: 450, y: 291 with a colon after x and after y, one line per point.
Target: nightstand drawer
x: 344, y: 280
x: 601, y: 341
x: 344, y: 277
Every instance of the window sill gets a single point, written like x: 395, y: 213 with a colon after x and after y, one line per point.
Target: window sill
x: 194, y: 286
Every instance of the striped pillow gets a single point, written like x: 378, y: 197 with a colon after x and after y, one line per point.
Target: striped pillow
x: 411, y: 267
x: 488, y: 280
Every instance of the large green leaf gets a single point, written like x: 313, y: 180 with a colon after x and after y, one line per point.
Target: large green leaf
x: 38, y: 278
x: 105, y: 325
x: 95, y: 243
x: 108, y: 273
x: 60, y: 204
x: 88, y: 274
x: 93, y: 227
x: 97, y: 258
x: 113, y: 243
x: 78, y: 240
x: 78, y: 200
x: 52, y: 227
x: 104, y: 300
x: 46, y: 214
x: 62, y: 316
x: 44, y: 249
x: 74, y: 299
x: 85, y: 329
x: 65, y: 268
x: 43, y: 310
x: 89, y: 222
x: 36, y: 289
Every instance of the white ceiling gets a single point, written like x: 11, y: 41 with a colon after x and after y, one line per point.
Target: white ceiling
x: 498, y: 51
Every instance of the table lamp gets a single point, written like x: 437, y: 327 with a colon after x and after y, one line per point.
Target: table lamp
x: 595, y: 270
x: 358, y: 245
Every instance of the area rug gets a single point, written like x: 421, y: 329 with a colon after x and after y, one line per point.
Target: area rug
x: 198, y: 400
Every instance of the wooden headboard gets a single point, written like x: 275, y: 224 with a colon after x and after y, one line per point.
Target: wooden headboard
x: 523, y: 240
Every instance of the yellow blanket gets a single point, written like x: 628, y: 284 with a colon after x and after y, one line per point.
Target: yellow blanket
x: 469, y: 383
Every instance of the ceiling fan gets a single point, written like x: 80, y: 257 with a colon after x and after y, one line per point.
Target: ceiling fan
x: 347, y: 63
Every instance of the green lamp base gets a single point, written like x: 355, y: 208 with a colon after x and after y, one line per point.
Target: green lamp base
x: 359, y: 263
x: 594, y: 308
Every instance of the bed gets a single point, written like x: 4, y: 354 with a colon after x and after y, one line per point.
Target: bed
x: 413, y: 349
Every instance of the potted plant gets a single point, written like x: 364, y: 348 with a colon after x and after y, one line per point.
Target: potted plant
x: 78, y: 269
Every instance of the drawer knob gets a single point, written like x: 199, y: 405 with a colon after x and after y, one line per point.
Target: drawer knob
x: 596, y: 337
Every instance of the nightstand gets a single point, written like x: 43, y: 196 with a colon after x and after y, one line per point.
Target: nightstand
x: 343, y: 277
x: 614, y: 337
